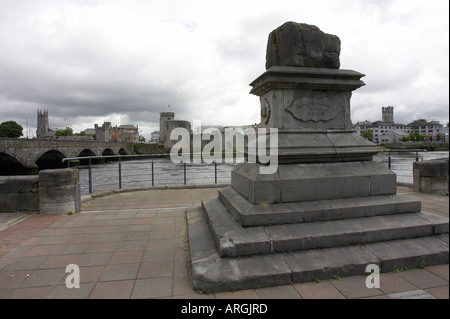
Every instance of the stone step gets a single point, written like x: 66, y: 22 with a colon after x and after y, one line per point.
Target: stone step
x: 233, y: 240
x: 249, y: 214
x: 213, y: 273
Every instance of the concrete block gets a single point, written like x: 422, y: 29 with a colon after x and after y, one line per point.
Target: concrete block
x: 58, y: 208
x: 57, y: 194
x: 383, y: 181
x: 434, y: 185
x: 22, y: 202
x: 58, y: 177
x: 59, y: 191
x: 324, y: 181
x: 19, y: 193
x: 432, y: 168
x: 256, y: 187
x: 416, y: 180
x: 18, y: 184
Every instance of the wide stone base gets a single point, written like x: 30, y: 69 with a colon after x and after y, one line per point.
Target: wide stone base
x: 309, y: 182
x: 213, y: 273
x: 240, y: 241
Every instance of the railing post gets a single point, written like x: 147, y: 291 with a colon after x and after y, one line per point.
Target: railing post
x: 184, y: 166
x: 90, y: 176
x: 153, y: 176
x: 389, y: 160
x: 120, y: 173
x: 215, y: 172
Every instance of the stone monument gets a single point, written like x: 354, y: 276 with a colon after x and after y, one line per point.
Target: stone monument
x: 329, y: 209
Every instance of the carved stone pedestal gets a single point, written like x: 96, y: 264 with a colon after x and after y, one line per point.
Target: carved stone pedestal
x: 328, y: 209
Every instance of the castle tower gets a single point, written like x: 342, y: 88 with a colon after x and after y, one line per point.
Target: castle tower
x: 42, y: 123
x: 163, y: 125
x: 103, y: 133
x: 388, y: 114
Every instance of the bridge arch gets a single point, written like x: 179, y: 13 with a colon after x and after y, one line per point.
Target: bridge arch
x: 122, y: 151
x: 107, y: 152
x: 50, y: 159
x: 84, y: 153
x: 9, y: 165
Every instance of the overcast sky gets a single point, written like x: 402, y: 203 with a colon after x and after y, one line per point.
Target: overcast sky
x: 125, y: 61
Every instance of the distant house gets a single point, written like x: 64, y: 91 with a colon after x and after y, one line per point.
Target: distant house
x: 392, y: 136
x: 154, y: 137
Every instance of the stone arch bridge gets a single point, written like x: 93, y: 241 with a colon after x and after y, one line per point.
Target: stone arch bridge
x: 29, y: 155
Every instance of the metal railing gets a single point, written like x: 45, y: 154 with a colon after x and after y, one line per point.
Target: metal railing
x: 119, y: 158
x: 417, y: 151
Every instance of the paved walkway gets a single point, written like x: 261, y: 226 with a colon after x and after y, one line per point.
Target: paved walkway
x: 134, y: 245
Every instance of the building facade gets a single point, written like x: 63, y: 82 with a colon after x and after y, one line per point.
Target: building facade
x: 387, y: 131
x: 122, y: 133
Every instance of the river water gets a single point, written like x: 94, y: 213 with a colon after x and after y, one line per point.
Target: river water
x: 138, y: 173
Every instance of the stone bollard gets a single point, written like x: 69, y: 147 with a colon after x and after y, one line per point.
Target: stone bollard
x: 59, y: 191
x: 431, y: 176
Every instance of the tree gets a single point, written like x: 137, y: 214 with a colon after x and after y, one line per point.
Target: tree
x: 65, y: 132
x: 11, y: 129
x: 367, y: 134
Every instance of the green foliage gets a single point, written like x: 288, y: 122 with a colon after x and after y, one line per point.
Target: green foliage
x: 10, y: 129
x: 65, y: 132
x: 367, y: 134
x: 413, y: 137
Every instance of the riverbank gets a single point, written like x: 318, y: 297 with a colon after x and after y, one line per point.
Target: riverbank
x: 429, y: 147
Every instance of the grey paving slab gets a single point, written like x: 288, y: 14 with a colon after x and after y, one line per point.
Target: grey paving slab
x: 62, y: 292
x: 43, y: 277
x: 120, y: 272
x: 423, y: 279
x: 152, y: 288
x: 355, y: 287
x: 414, y: 294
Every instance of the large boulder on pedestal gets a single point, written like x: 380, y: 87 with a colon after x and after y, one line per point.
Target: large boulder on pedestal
x: 302, y: 45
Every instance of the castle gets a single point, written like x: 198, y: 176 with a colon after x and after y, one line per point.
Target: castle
x: 122, y: 133
x: 167, y: 123
x: 104, y: 133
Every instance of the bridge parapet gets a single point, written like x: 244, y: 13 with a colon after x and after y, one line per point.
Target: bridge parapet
x: 28, y: 151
